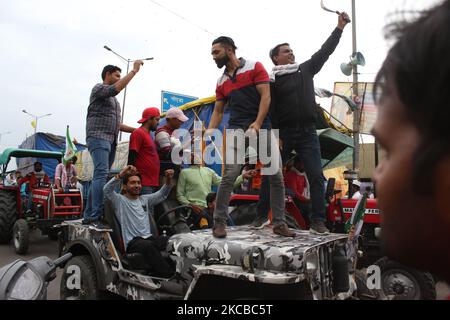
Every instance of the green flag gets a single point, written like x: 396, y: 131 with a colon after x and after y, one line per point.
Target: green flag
x: 71, y: 149
x: 357, y: 219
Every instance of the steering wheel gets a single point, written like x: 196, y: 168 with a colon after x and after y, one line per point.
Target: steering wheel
x: 182, y: 213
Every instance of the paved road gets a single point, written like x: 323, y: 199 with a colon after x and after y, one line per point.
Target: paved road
x: 41, y: 246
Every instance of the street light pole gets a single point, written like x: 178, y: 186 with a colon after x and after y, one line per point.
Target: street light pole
x: 35, y: 122
x: 125, y: 90
x: 356, y: 113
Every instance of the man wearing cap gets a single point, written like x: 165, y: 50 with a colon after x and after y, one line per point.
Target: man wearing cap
x: 143, y: 153
x: 103, y: 123
x: 165, y: 139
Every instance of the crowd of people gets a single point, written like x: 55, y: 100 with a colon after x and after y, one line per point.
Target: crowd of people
x: 411, y: 126
x: 257, y: 102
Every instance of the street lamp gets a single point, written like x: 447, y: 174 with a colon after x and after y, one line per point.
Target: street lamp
x: 3, y: 133
x: 125, y: 91
x: 36, y: 118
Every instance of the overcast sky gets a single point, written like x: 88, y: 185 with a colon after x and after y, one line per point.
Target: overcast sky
x: 52, y: 53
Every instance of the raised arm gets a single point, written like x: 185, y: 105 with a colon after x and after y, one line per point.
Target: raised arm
x: 319, y: 58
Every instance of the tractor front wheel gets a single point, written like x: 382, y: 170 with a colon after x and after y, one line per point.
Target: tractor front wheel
x: 8, y: 214
x: 21, y: 236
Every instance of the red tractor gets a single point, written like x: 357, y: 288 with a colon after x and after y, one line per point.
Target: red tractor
x: 43, y: 208
x: 397, y: 280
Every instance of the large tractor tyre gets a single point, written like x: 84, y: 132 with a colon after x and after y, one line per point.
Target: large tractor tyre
x: 8, y: 215
x: 405, y: 283
x: 21, y: 236
x: 79, y: 280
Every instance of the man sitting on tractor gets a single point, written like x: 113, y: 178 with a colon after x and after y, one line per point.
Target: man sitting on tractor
x: 66, y: 175
x: 35, y: 179
x: 132, y: 211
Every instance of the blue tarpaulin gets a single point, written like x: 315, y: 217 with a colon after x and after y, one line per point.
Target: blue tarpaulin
x: 43, y: 141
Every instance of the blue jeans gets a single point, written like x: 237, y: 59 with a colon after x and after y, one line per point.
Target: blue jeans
x: 102, y: 153
x: 306, y: 144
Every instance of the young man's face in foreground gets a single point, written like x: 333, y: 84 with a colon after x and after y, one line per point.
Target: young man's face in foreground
x: 415, y: 227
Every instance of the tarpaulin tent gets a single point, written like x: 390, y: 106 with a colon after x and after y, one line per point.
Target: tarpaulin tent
x: 45, y: 142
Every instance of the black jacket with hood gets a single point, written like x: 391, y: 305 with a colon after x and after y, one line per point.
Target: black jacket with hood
x: 293, y: 102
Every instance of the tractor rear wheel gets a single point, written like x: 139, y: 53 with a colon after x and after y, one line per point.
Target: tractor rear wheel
x: 405, y: 283
x: 21, y: 235
x: 8, y: 215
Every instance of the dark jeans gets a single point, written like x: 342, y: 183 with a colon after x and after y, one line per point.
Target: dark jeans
x: 151, y: 249
x: 306, y: 144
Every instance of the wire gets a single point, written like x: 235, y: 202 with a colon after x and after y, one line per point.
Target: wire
x: 181, y: 17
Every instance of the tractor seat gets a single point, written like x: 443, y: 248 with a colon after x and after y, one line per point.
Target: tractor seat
x: 130, y: 261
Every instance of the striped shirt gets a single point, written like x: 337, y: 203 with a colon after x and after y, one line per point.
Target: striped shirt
x: 103, y: 116
x: 240, y: 93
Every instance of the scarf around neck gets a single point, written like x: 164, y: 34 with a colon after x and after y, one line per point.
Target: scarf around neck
x: 283, y: 69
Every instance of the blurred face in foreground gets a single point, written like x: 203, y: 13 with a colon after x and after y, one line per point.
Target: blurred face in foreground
x: 415, y: 226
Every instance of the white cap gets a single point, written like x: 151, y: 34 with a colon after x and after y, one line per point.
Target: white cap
x: 357, y: 183
x: 175, y: 113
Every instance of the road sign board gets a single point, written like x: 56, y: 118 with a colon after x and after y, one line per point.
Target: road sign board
x: 171, y: 99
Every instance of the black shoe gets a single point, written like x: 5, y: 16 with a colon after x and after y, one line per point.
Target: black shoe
x: 98, y: 225
x: 86, y: 222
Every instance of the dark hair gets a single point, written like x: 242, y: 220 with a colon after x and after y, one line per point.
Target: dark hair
x: 109, y: 68
x: 127, y: 177
x: 418, y: 65
x: 276, y: 50
x: 210, y: 197
x: 226, y: 42
x: 37, y: 162
x: 74, y: 159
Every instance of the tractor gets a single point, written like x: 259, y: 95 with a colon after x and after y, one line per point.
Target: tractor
x: 48, y: 207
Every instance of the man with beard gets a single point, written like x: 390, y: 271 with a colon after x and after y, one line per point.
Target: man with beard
x: 132, y: 211
x: 244, y: 87
x: 293, y: 112
x: 143, y: 153
x: 413, y: 179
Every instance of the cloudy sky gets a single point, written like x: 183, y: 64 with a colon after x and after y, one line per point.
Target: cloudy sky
x: 51, y: 51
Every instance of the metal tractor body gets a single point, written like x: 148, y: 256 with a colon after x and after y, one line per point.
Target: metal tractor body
x: 48, y: 208
x: 247, y: 264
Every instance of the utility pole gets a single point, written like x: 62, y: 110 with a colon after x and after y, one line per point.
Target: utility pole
x: 356, y: 113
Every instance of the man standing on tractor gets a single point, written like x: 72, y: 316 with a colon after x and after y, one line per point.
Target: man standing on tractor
x: 413, y: 179
x: 293, y: 112
x: 143, y: 153
x: 103, y: 123
x: 244, y: 85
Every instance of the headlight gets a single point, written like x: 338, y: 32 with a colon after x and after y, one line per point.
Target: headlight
x: 312, y: 263
x: 26, y: 287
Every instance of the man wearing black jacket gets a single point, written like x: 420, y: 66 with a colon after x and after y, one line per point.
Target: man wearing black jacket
x: 293, y: 112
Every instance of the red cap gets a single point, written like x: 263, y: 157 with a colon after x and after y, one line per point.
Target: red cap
x: 149, y: 113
